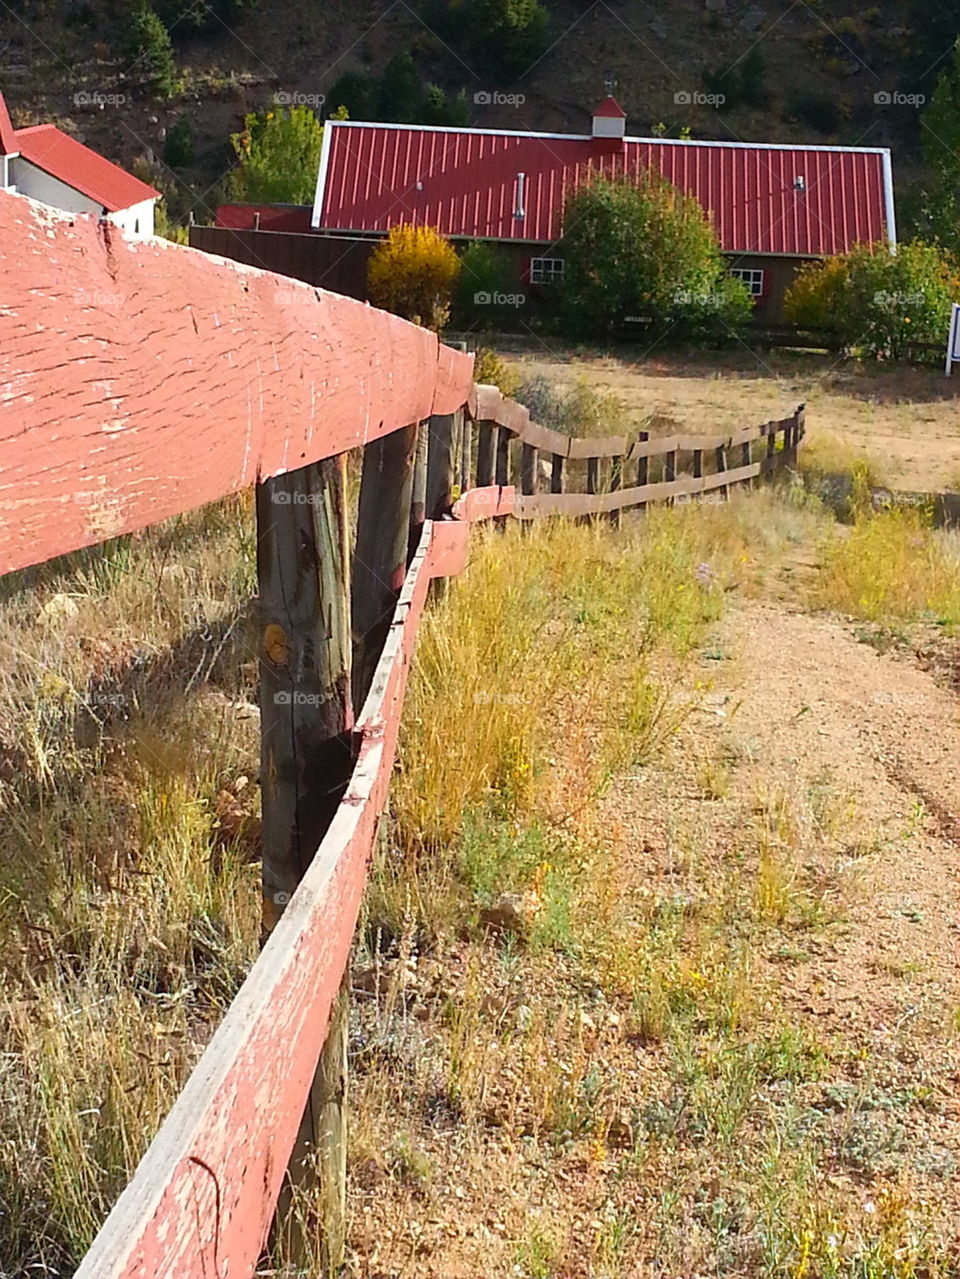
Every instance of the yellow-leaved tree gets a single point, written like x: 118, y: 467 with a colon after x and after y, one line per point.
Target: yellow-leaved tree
x: 413, y: 273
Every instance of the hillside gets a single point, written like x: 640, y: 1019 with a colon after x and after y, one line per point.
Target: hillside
x: 815, y: 70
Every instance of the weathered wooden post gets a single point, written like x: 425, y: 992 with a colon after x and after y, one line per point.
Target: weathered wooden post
x: 529, y: 467
x: 556, y: 474
x: 380, y: 552
x: 593, y: 475
x: 616, y: 482
x: 670, y: 470
x: 466, y: 450
x: 643, y: 461
x: 441, y: 431
x: 503, y: 457
x: 721, y: 465
x: 307, y: 755
x: 418, y: 503
x: 486, y: 448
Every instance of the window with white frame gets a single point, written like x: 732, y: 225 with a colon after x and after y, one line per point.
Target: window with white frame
x: 546, y: 270
x: 752, y: 278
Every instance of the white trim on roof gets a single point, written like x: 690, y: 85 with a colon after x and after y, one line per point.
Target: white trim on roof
x: 888, y: 199
x: 587, y: 137
x: 322, y: 171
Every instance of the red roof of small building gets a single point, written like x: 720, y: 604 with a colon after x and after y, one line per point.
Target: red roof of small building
x: 74, y: 164
x: 272, y: 217
x: 464, y: 182
x: 6, y: 130
x: 611, y: 108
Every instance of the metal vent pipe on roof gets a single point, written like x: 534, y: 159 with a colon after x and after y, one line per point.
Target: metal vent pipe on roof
x: 518, y: 209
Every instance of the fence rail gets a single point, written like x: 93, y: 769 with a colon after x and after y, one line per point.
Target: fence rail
x: 140, y: 381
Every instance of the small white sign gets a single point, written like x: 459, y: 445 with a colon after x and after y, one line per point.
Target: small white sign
x: 953, y: 343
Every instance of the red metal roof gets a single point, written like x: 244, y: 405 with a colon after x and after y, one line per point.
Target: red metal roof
x: 273, y: 217
x: 465, y: 183
x: 71, y: 162
x: 7, y: 132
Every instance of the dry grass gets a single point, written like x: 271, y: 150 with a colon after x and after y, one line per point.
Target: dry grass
x: 128, y: 911
x: 617, y: 1054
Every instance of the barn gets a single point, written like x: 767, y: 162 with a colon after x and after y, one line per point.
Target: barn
x: 774, y: 207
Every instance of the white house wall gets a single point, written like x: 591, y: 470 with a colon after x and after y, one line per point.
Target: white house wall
x: 27, y: 179
x: 137, y: 221
x: 31, y: 181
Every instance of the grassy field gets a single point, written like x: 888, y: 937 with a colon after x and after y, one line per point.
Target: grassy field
x: 626, y: 856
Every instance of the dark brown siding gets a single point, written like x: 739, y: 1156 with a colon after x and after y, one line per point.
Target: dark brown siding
x: 331, y: 262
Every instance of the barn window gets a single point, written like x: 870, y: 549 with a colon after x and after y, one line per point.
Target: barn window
x: 752, y: 278
x: 546, y: 270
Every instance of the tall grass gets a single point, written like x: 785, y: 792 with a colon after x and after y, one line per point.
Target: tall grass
x: 891, y: 566
x: 128, y: 913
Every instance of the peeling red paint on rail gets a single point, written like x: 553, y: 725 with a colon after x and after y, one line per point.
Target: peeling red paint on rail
x: 141, y: 380
x: 201, y: 1201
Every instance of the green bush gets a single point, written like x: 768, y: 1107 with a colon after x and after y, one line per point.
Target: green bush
x: 178, y: 146
x: 638, y: 247
x: 398, y: 96
x: 147, y: 45
x: 504, y: 37
x: 744, y: 83
x: 879, y: 301
x: 483, y: 270
x: 278, y: 154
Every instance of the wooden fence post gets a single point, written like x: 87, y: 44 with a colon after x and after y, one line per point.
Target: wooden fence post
x: 503, y: 457
x: 486, y: 445
x: 529, y: 465
x: 380, y: 552
x: 418, y: 501
x: 307, y: 755
x: 441, y: 434
x: 593, y: 474
x: 670, y: 470
x: 643, y: 463
x: 721, y: 465
x: 616, y: 482
x: 556, y: 474
x: 466, y: 450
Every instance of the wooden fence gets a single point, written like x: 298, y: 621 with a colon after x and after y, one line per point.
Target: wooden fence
x: 141, y: 381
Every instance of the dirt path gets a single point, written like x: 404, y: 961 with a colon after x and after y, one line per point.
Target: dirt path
x: 828, y: 712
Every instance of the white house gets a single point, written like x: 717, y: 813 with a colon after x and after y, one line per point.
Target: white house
x: 46, y: 164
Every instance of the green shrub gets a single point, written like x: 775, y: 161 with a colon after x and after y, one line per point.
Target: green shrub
x: 879, y: 301
x: 147, y: 44
x: 484, y: 270
x: 636, y: 246
x: 278, y: 153
x: 505, y: 37
x: 178, y: 146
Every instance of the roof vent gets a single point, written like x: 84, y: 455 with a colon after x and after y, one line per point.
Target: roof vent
x: 518, y: 206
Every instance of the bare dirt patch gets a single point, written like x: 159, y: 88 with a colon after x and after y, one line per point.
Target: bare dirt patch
x: 908, y: 419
